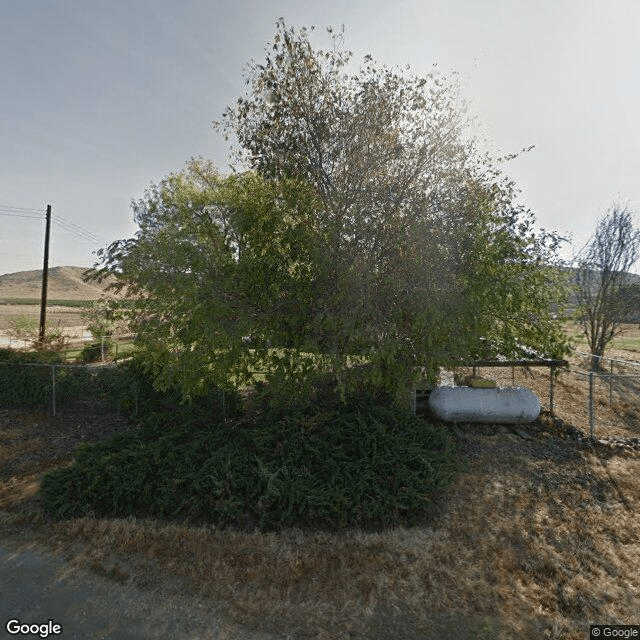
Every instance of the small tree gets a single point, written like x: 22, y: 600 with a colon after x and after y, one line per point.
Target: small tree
x: 26, y: 329
x: 23, y: 328
x: 426, y: 250
x: 602, y: 279
x: 105, y: 318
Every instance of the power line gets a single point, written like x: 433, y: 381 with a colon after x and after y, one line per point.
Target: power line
x: 35, y: 214
x: 21, y: 209
x: 21, y: 215
x: 79, y: 232
x: 75, y: 233
x: 73, y: 225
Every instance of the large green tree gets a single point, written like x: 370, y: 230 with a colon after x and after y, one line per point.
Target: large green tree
x: 425, y: 231
x: 367, y: 229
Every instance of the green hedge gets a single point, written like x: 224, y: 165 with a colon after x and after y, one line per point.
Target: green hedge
x: 353, y: 466
x: 28, y: 386
x: 127, y: 388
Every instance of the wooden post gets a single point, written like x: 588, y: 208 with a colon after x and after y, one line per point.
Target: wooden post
x: 45, y: 275
x: 551, y: 390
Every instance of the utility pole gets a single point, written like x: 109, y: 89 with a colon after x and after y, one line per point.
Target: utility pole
x: 45, y: 275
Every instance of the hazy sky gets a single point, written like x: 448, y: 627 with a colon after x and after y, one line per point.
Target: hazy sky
x: 98, y: 99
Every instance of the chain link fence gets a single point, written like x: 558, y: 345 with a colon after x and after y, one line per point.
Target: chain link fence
x: 86, y: 349
x: 607, y: 399
x: 85, y: 389
x: 602, y: 404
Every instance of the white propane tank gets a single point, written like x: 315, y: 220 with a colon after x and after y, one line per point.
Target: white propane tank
x: 510, y: 405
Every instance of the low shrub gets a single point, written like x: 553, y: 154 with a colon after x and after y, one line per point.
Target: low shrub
x: 44, y: 357
x: 92, y: 351
x: 355, y: 465
x: 23, y: 385
x: 129, y: 388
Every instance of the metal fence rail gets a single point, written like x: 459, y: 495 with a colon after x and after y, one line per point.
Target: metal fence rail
x: 103, y: 348
x: 618, y: 361
x: 606, y: 401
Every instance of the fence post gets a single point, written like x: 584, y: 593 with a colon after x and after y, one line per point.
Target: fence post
x: 626, y: 387
x: 591, y: 418
x: 102, y: 348
x: 610, y: 380
x: 551, y: 390
x: 53, y: 388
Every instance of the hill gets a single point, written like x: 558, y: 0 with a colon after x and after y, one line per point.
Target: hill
x: 63, y: 283
x: 631, y: 280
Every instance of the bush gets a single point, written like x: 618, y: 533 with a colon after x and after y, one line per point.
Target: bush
x: 25, y: 328
x: 353, y: 466
x: 44, y: 357
x: 92, y: 352
x: 128, y: 387
x: 25, y: 386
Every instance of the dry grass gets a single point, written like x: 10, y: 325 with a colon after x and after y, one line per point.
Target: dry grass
x: 65, y: 317
x: 627, y: 341
x: 538, y: 539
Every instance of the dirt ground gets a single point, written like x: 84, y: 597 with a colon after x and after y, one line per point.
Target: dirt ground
x: 538, y: 538
x: 57, y: 316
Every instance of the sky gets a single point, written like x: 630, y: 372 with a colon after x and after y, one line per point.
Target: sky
x: 100, y: 99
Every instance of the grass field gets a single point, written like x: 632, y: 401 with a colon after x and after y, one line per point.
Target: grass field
x: 537, y: 539
x: 118, y: 350
x: 628, y: 340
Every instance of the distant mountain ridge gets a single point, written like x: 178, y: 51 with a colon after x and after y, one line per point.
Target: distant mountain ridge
x: 67, y: 283
x: 630, y: 279
x: 62, y: 283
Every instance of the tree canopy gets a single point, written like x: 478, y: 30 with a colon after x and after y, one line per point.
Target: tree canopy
x: 368, y: 229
